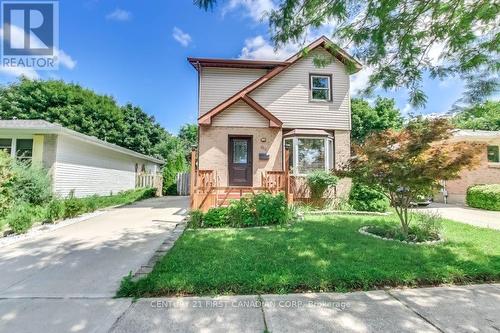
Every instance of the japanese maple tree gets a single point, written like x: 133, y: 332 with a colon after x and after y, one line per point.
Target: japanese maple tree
x: 410, y: 162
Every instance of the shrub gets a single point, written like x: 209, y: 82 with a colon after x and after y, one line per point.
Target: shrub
x: 20, y: 218
x: 367, y: 199
x: 216, y: 217
x: 31, y: 184
x: 270, y: 209
x: 6, y: 175
x: 241, y: 212
x: 195, y: 219
x: 73, y: 206
x: 484, y: 196
x: 55, y: 210
x: 428, y: 226
x: 319, y: 181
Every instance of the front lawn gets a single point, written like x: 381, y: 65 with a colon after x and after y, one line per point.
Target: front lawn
x: 318, y: 254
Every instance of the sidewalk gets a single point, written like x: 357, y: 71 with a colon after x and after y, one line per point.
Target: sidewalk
x: 444, y: 309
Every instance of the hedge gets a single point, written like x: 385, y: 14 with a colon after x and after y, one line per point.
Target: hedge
x: 484, y: 196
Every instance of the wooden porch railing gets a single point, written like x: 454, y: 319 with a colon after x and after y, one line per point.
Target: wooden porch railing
x: 207, y: 192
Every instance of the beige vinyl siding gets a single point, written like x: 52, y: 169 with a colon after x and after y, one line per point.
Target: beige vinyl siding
x: 218, y: 84
x: 88, y: 169
x: 287, y: 96
x: 240, y: 115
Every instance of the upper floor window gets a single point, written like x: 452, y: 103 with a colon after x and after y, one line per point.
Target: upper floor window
x: 321, y: 87
x: 493, y: 154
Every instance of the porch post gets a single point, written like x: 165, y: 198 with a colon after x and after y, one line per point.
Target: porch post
x: 192, y: 178
x: 288, y: 195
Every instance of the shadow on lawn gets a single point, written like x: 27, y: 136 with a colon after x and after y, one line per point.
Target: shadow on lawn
x: 322, y: 254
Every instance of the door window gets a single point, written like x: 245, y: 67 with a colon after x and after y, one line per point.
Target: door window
x: 240, y: 151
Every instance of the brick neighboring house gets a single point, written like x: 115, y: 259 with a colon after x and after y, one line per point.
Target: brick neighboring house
x: 249, y: 110
x: 488, y: 171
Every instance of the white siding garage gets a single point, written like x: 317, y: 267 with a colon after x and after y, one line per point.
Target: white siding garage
x: 76, y: 162
x: 89, y: 169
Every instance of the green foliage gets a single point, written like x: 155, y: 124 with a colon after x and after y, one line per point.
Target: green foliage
x: 426, y: 227
x: 319, y: 182
x: 82, y: 110
x: 73, y: 206
x: 216, y: 217
x: 411, y: 162
x: 195, y: 219
x: 367, y: 198
x: 55, y: 210
x: 175, y: 162
x: 189, y: 135
x: 31, y: 184
x: 367, y: 119
x: 256, y: 210
x: 484, y: 196
x: 485, y: 116
x: 402, y: 41
x: 6, y: 176
x: 20, y: 218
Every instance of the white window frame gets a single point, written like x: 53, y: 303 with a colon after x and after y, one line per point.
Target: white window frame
x: 13, y: 144
x: 295, y: 147
x: 328, y: 89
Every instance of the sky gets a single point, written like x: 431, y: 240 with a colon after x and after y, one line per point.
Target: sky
x: 136, y: 52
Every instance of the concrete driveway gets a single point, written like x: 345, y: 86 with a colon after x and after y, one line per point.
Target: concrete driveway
x: 472, y: 216
x: 64, y: 280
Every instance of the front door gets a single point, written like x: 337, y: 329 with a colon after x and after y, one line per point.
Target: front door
x: 240, y: 161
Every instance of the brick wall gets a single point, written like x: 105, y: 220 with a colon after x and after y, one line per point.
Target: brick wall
x: 486, y: 173
x: 213, y: 150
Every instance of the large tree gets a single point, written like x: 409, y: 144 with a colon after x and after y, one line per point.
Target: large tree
x: 484, y: 116
x: 401, y: 41
x: 367, y: 119
x: 409, y: 163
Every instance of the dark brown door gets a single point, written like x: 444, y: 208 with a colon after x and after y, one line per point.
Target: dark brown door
x: 240, y: 161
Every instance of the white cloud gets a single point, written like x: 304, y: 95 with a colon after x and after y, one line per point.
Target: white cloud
x: 119, y: 15
x: 407, y: 109
x: 17, y: 33
x: 359, y: 81
x: 256, y: 9
x: 259, y: 48
x: 182, y: 37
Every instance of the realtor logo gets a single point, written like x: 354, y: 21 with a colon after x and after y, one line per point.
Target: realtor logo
x: 30, y: 34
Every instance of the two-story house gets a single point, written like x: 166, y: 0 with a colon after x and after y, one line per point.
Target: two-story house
x: 249, y: 110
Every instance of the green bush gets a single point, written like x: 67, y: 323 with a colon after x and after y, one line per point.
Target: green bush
x: 241, y: 212
x: 20, y: 218
x: 55, y: 210
x: 6, y: 176
x: 270, y: 209
x: 216, y: 217
x: 484, y: 196
x: 195, y: 219
x: 31, y: 184
x: 257, y: 210
x: 367, y: 199
x: 319, y: 181
x: 73, y: 206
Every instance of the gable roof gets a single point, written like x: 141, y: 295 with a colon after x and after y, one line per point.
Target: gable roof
x: 198, y: 63
x: 38, y: 126
x: 341, y: 55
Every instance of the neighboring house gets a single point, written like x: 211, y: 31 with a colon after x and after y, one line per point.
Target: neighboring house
x: 488, y: 172
x: 249, y: 110
x: 75, y: 161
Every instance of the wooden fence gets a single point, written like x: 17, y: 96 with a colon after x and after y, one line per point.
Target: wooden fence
x: 183, y: 183
x: 150, y: 180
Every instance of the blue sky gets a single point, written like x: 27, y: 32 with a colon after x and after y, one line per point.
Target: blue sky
x: 136, y: 52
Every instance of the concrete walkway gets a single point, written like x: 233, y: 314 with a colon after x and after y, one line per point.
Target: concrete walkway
x: 446, y: 309
x: 64, y: 280
x: 477, y: 217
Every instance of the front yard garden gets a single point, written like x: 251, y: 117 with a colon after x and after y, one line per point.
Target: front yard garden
x: 317, y: 254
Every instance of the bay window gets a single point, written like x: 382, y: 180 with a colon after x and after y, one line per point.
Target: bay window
x: 308, y: 154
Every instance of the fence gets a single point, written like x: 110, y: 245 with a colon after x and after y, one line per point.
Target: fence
x: 150, y: 180
x: 183, y: 183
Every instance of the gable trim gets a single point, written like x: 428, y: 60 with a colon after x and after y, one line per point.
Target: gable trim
x: 206, y: 119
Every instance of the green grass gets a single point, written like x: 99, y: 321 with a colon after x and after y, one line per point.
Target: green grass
x: 318, y: 254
